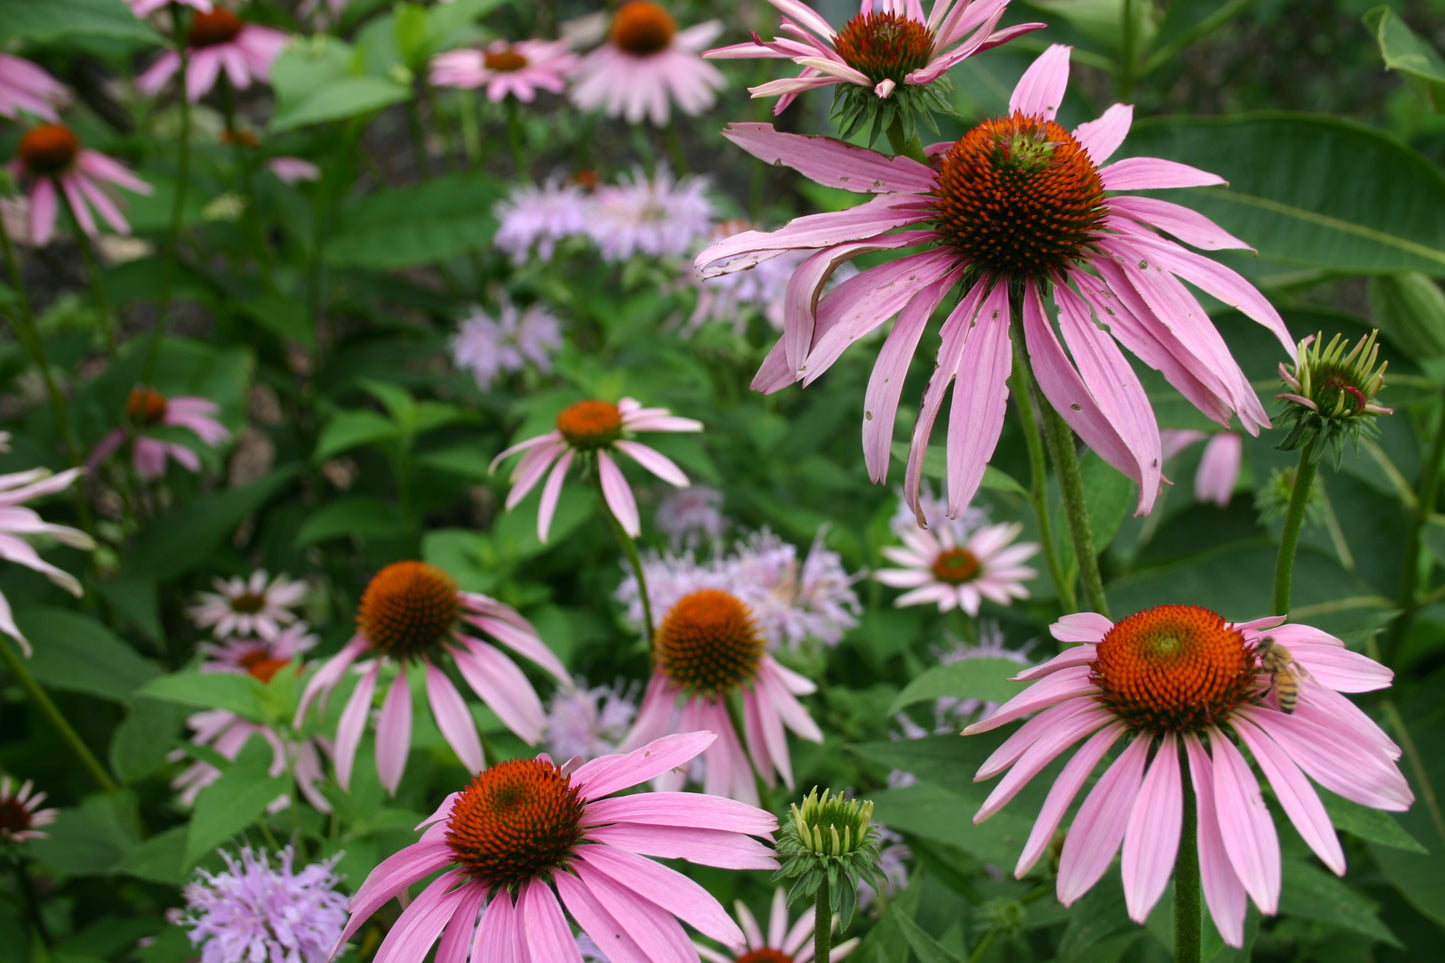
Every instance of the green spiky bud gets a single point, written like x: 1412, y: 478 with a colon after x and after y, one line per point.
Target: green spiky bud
x: 829, y: 839
x: 1331, y: 393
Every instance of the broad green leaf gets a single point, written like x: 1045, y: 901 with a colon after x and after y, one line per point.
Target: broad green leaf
x: 935, y: 813
x: 89, y: 839
x: 346, y: 430
x: 925, y: 947
x: 323, y: 79
x: 136, y: 598
x: 340, y: 99
x: 1369, y: 824
x: 468, y: 460
x: 50, y: 21
x: 1310, y: 191
x: 184, y: 537
x: 281, y: 315
x: 355, y: 516
x: 985, y: 679
x: 1310, y: 893
x: 1101, y: 20
x: 158, y: 859
x: 1407, y: 52
x: 421, y: 224
x: 232, y: 691
x: 144, y: 738
x: 465, y: 555
x: 233, y: 802
x: 946, y: 760
x: 1410, y: 310
x: 76, y: 653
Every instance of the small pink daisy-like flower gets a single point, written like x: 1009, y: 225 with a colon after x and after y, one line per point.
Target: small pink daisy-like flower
x: 594, y: 429
x: 647, y: 63
x: 939, y: 571
x: 16, y: 521
x: 588, y: 722
x: 507, y: 69
x: 218, y: 40
x: 691, y: 515
x: 528, y: 843
x: 410, y: 612
x: 1063, y: 230
x: 489, y: 347
x: 258, y: 605
x: 20, y: 814
x: 707, y: 648
x: 786, y: 941
x: 254, y: 911
x: 51, y: 161
x: 147, y: 407
x: 887, y: 45
x: 656, y: 216
x: 1218, y: 466
x: 1180, y: 686
x: 532, y: 220
x: 144, y: 8
x: 27, y: 89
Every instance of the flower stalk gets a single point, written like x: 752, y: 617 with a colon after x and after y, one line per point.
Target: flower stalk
x: 1188, y: 925
x: 1076, y: 506
x: 1038, y: 478
x: 1304, y: 479
x: 629, y: 548
x: 16, y: 667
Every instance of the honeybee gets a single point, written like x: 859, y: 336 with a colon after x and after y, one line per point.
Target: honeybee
x: 1285, y: 673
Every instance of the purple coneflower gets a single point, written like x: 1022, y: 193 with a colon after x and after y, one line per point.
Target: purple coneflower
x: 691, y: 515
x: 1179, y: 687
x: 1018, y: 203
x: 507, y: 69
x: 256, y: 605
x: 889, y: 43
x: 16, y: 520
x: 937, y: 570
x: 20, y: 814
x: 594, y: 429
x: 146, y: 408
x: 786, y: 941
x: 413, y: 612
x: 50, y: 160
x: 646, y: 64
x: 707, y: 649
x: 527, y: 844
x: 218, y: 40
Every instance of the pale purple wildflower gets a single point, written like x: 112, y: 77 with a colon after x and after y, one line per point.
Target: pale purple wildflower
x: 691, y: 515
x: 795, y: 601
x: 263, y: 914
x: 532, y: 220
x: 489, y: 347
x: 588, y: 722
x: 659, y: 216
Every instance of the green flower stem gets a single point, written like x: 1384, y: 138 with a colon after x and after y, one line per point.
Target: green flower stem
x: 92, y: 270
x: 251, y: 213
x: 1076, y: 508
x: 32, y: 905
x: 1188, y: 925
x: 16, y: 667
x: 902, y: 144
x: 629, y: 548
x: 1127, y: 52
x: 1038, y: 477
x: 822, y: 922
x: 1419, y: 513
x: 1304, y: 479
x: 179, y: 23
x: 514, y: 138
x: 418, y: 140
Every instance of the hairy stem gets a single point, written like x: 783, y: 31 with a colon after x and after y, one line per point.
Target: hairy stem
x: 822, y: 922
x: 1039, y: 478
x: 1304, y: 479
x: 1188, y: 928
x: 1076, y: 508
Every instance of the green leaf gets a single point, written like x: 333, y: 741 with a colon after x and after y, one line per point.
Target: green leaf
x: 346, y: 430
x: 144, y: 738
x: 184, y: 537
x: 985, y: 679
x: 323, y: 79
x: 1310, y: 191
x: 1405, y: 51
x: 158, y: 859
x: 414, y: 225
x: 1369, y: 824
x: 935, y: 463
x: 233, y: 802
x: 54, y: 21
x: 935, y: 813
x: 1409, y: 309
x: 355, y: 516
x: 466, y: 460
x: 465, y: 555
x: 76, y: 653
x: 232, y: 691
x: 1310, y: 893
x: 89, y: 839
x: 925, y: 947
x: 283, y: 316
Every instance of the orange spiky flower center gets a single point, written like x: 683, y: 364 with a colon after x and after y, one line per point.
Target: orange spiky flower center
x: 589, y: 425
x: 765, y: 955
x: 1173, y: 668
x: 1019, y: 196
x: 515, y: 822
x: 505, y: 60
x: 408, y: 608
x: 709, y: 643
x: 214, y: 28
x: 145, y: 407
x: 48, y: 149
x: 259, y: 664
x: 954, y: 566
x: 884, y: 46
x: 641, y: 27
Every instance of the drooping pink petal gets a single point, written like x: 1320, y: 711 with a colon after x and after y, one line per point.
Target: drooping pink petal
x: 618, y: 494
x: 1062, y: 793
x: 457, y: 938
x: 1223, y: 893
x: 606, y: 931
x: 393, y: 733
x: 1070, y: 683
x: 500, y: 934
x: 653, y: 460
x: 683, y: 809
x: 353, y: 724
x: 710, y: 847
x: 1099, y: 825
x: 833, y: 163
x: 656, y: 932
x: 551, y: 491
x: 669, y: 889
x: 1295, y: 794
x: 607, y: 774
x: 1151, y: 840
x: 420, y: 924
x: 1245, y: 825
x: 1186, y: 224
x: 453, y: 719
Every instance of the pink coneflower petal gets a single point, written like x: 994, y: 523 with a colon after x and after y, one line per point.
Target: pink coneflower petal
x: 1102, y: 137
x: 502, y: 686
x: 453, y: 719
x: 1296, y: 796
x: 1040, y: 90
x: 618, y: 495
x: 1151, y: 839
x: 669, y: 889
x: 1223, y: 893
x: 1246, y: 826
x: 1099, y: 825
x: 547, y: 934
x: 552, y: 491
x: 1071, y: 779
x: 353, y: 724
x: 393, y: 733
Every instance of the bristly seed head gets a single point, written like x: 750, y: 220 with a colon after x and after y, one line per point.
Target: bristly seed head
x: 145, y: 407
x: 48, y: 149
x: 955, y: 566
x: 1018, y: 196
x: 408, y: 608
x: 589, y: 425
x: 1173, y: 668
x: 517, y: 821
x: 503, y: 61
x: 709, y: 643
x: 884, y: 46
x: 642, y: 28
x: 214, y: 28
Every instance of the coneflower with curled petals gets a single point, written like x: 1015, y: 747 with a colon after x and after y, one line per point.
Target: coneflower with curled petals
x: 218, y: 40
x: 147, y: 408
x: 1016, y: 209
x: 527, y: 844
x: 18, y: 523
x: 1183, y: 691
x: 51, y: 163
x: 412, y: 612
x: 591, y: 431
